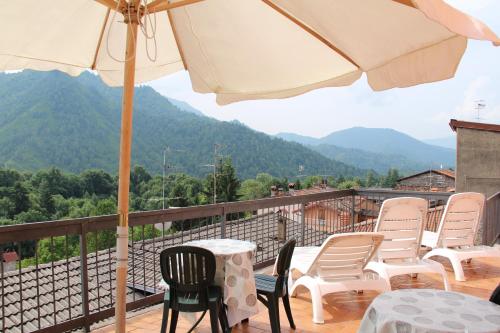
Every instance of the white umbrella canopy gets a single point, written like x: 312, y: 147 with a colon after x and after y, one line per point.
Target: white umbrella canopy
x: 237, y: 49
x: 246, y: 49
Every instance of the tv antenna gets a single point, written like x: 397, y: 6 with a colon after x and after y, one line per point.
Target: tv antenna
x: 479, y: 105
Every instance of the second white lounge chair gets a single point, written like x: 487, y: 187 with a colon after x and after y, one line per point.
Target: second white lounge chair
x: 338, y: 265
x: 401, y: 221
x: 457, y: 231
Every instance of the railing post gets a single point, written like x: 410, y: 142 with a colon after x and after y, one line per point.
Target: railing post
x: 223, y: 223
x: 353, y: 211
x: 84, y: 276
x: 303, y: 223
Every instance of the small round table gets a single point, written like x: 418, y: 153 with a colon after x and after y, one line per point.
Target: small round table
x: 234, y: 274
x: 430, y: 310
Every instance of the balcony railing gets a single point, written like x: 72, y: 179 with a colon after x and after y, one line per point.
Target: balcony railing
x: 66, y: 271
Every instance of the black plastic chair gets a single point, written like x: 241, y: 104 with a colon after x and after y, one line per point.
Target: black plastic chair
x: 189, y: 272
x: 495, y: 296
x: 271, y: 288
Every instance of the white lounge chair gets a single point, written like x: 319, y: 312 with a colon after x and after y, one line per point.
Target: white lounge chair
x: 457, y: 230
x: 335, y: 266
x: 401, y: 221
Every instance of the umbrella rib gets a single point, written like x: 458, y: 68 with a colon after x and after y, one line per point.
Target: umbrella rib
x: 310, y: 31
x: 408, y: 3
x: 101, y: 35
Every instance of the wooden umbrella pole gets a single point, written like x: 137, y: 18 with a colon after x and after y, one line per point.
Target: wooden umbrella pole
x: 124, y: 172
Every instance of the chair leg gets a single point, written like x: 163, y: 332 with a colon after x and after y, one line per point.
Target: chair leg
x: 274, y: 314
x: 164, y: 320
x: 457, y: 268
x: 223, y: 318
x: 214, y: 318
x: 288, y: 310
x: 173, y: 320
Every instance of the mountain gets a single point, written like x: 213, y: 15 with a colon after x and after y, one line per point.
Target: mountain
x: 52, y: 119
x: 446, y: 142
x: 389, y: 141
x: 378, y: 149
x: 183, y: 106
x: 302, y: 139
x: 363, y: 159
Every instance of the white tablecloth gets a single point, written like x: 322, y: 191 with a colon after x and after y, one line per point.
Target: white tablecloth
x: 234, y: 273
x: 430, y: 310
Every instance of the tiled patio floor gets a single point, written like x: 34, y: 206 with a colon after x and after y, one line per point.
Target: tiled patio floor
x: 343, y: 311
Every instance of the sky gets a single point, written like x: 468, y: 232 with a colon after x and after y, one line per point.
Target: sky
x: 422, y: 111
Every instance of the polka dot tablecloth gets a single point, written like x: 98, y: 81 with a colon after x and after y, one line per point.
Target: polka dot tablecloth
x: 430, y: 311
x: 234, y: 273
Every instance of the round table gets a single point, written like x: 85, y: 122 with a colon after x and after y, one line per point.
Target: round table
x: 234, y: 274
x: 430, y: 310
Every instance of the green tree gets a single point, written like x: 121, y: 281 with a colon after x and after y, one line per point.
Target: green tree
x: 228, y: 183
x: 138, y: 177
x: 392, y: 178
x: 21, y: 198
x: 370, y: 179
x: 8, y: 177
x: 348, y: 184
x: 251, y: 189
x: 98, y: 182
x: 311, y: 181
x: 7, y: 208
x: 46, y: 200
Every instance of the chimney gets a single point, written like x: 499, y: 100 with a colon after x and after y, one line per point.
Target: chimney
x: 9, y: 260
x: 274, y: 191
x: 280, y: 192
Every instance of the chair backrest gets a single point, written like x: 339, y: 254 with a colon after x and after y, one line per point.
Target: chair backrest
x: 401, y: 221
x: 460, y: 220
x: 188, y: 270
x: 343, y: 256
x: 495, y: 295
x: 283, y: 263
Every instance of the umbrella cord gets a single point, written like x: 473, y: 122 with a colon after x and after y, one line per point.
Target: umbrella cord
x: 197, y: 322
x: 144, y: 30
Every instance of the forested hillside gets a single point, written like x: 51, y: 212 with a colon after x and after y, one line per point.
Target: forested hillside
x: 50, y: 119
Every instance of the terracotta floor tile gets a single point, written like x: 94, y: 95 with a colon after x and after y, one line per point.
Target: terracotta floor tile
x: 342, y: 311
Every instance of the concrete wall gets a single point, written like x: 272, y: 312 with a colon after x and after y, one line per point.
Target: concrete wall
x: 478, y: 161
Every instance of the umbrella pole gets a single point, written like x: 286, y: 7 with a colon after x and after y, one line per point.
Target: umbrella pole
x: 124, y: 178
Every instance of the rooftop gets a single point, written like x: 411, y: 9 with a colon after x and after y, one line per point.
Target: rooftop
x: 454, y: 124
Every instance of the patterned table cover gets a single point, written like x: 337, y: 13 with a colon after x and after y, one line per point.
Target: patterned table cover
x: 430, y: 311
x: 234, y: 273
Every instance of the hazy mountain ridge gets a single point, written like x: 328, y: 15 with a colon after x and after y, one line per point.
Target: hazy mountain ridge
x: 378, y: 149
x: 446, y: 142
x: 51, y: 119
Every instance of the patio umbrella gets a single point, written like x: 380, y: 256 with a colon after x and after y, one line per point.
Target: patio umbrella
x: 238, y: 49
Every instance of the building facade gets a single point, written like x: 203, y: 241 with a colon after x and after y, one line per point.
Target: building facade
x: 428, y: 181
x: 478, y: 157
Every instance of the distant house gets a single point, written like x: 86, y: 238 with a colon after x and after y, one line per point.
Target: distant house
x: 9, y: 260
x: 334, y: 215
x: 478, y: 156
x: 428, y: 181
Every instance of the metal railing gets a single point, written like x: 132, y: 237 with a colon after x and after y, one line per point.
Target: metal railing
x: 491, y: 221
x: 65, y: 275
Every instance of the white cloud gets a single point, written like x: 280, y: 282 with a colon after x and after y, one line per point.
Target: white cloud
x: 482, y: 89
